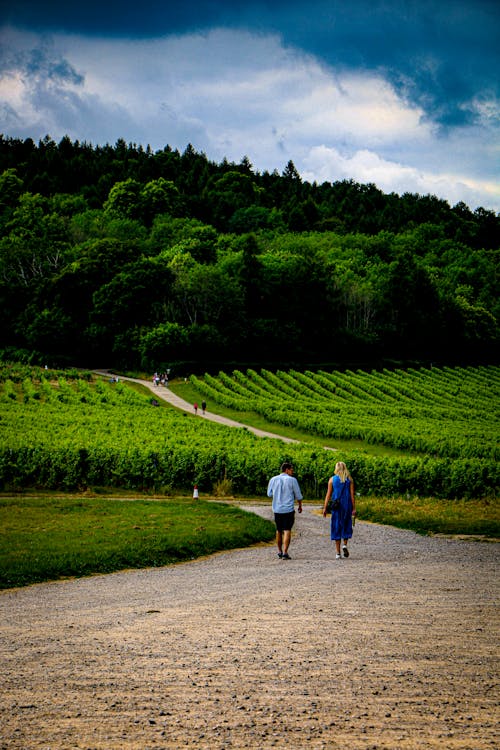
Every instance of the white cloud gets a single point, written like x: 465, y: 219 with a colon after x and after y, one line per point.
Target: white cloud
x: 328, y: 164
x: 233, y: 93
x: 364, y: 110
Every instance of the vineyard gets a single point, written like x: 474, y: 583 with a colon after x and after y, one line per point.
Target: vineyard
x: 447, y: 413
x: 70, y: 430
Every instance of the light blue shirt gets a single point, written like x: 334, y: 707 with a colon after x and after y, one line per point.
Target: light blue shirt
x: 284, y: 490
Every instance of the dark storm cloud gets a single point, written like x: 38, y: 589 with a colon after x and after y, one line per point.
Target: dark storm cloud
x: 39, y: 62
x: 442, y: 56
x: 114, y: 17
x: 401, y: 93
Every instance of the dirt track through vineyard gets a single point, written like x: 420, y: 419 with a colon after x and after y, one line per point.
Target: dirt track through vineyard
x: 166, y: 394
x: 395, y: 647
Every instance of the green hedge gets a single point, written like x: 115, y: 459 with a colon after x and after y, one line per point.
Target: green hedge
x: 249, y: 470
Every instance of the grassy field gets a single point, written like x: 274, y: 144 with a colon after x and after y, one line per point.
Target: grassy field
x: 46, y: 537
x: 472, y: 518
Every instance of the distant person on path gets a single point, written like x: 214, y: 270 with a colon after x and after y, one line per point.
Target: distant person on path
x: 195, y: 407
x: 341, y: 492
x: 203, y: 407
x: 284, y: 489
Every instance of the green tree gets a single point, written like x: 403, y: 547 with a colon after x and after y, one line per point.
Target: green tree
x: 68, y: 295
x: 160, y: 197
x: 65, y: 204
x: 409, y: 306
x: 37, y: 242
x: 479, y: 325
x: 205, y: 295
x: 185, y: 235
x: 50, y: 331
x: 225, y: 195
x: 253, y: 218
x: 11, y: 188
x: 163, y: 345
x: 139, y: 295
x: 124, y: 199
x: 290, y: 173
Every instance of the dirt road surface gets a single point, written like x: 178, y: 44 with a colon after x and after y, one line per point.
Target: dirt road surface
x: 395, y: 647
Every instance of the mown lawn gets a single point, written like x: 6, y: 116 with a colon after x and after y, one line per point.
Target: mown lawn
x: 46, y: 537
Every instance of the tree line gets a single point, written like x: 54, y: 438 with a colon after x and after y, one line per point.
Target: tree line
x: 122, y: 256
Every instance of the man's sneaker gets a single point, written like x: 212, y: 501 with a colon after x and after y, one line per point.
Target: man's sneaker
x: 280, y: 555
x: 338, y: 556
x: 286, y: 556
x: 345, y: 551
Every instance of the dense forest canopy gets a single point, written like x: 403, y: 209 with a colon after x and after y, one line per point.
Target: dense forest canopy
x: 125, y: 257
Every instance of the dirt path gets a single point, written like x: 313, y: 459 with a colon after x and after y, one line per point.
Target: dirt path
x: 166, y: 394
x: 395, y: 647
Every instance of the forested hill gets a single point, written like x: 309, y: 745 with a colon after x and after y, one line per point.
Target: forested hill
x: 122, y: 256
x: 232, y: 197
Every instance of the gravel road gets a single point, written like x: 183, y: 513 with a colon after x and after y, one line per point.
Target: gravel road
x: 395, y: 647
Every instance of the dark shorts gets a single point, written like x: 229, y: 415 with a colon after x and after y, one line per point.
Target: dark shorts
x: 284, y: 521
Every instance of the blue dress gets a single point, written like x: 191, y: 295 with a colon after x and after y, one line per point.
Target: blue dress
x: 341, y: 527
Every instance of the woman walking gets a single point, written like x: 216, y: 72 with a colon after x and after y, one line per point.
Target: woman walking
x: 341, y: 492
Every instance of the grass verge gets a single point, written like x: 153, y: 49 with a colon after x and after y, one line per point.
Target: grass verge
x: 48, y: 537
x: 472, y: 518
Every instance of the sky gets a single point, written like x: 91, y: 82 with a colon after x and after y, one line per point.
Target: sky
x: 404, y: 94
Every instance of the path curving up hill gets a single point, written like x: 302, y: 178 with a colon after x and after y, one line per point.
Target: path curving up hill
x: 167, y: 395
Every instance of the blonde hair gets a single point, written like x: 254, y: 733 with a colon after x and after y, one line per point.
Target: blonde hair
x: 342, y: 471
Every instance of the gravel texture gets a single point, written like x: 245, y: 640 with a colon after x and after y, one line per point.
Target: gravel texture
x: 394, y: 647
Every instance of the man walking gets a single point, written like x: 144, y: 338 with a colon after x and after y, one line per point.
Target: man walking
x: 284, y: 489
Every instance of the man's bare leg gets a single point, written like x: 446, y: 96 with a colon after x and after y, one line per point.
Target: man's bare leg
x: 287, y: 535
x: 279, y: 541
